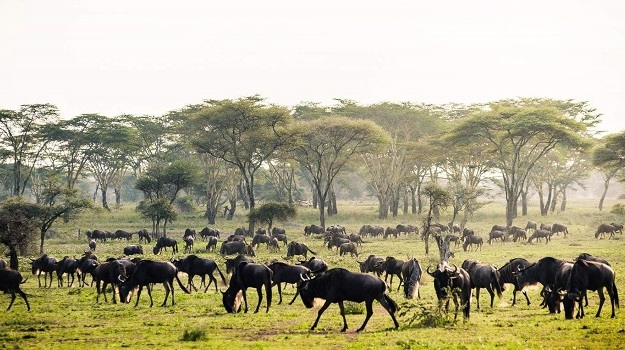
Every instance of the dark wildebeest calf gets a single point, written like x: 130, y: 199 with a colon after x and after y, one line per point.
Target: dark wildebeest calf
x: 193, y: 265
x: 247, y: 275
x: 10, y: 281
x: 69, y: 266
x: 44, y: 264
x: 339, y: 285
x: 147, y: 272
x: 163, y: 243
x: 483, y: 276
x: 392, y: 266
x: 295, y: 248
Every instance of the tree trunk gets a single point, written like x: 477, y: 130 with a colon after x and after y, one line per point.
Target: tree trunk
x: 563, y: 204
x: 246, y: 203
x: 382, y: 208
x: 104, y: 200
x: 118, y: 196
x: 405, y: 202
x: 524, y: 203
x: 606, y: 185
x: 13, y: 260
x: 322, y: 214
x: 233, y: 208
x: 413, y: 199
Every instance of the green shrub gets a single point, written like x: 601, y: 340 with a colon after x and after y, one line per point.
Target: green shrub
x: 193, y: 335
x: 352, y: 308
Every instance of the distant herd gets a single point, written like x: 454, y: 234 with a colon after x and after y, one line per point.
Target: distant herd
x: 564, y: 282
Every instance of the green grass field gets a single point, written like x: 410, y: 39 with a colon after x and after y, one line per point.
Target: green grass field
x: 70, y: 318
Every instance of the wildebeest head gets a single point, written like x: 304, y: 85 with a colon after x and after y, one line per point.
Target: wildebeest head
x: 305, y: 291
x: 443, y: 279
x: 232, y: 300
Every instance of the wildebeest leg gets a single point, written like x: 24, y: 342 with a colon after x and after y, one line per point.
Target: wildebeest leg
x: 323, y: 308
x: 401, y: 281
x: 166, y: 286
x: 211, y: 279
x: 71, y: 283
x: 477, y: 298
x: 457, y: 305
x: 279, y: 291
x: 259, y: 290
x: 295, y: 297
x: 386, y: 303
x: 492, y: 295
x: 601, y: 301
x: 23, y: 295
x: 244, y: 294
x: 191, y: 285
x: 12, y: 299
x: 139, y: 295
x: 369, y: 306
x: 342, y: 307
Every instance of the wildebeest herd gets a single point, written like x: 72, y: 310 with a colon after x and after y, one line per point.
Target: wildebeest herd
x: 564, y: 283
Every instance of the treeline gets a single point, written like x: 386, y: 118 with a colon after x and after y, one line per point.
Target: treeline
x: 216, y: 153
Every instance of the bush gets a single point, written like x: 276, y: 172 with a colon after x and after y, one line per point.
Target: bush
x: 352, y: 308
x: 420, y: 316
x: 618, y: 209
x: 185, y: 205
x: 193, y: 335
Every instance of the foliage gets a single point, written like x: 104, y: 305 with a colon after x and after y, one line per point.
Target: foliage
x: 618, y: 209
x: 423, y: 316
x: 194, y: 335
x: 269, y: 212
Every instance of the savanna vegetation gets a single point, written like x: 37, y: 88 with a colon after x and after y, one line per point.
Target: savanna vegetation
x: 238, y: 163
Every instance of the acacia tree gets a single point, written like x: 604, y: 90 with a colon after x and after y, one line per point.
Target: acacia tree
x: 270, y: 212
x: 243, y: 132
x: 23, y: 138
x: 518, y: 134
x: 609, y: 157
x: 327, y: 144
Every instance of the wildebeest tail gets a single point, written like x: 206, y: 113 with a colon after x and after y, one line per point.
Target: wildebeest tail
x: 222, y: 275
x: 496, y: 283
x: 268, y: 288
x: 391, y: 303
x: 310, y: 250
x: 615, y: 295
x: 184, y: 289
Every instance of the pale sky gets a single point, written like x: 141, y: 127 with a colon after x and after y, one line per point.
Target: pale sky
x: 148, y: 57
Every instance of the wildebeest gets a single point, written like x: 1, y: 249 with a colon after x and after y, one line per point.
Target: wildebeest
x: 551, y: 293
x: 589, y: 275
x: 452, y: 284
x: 193, y: 265
x: 391, y: 231
x: 452, y: 238
x: 248, y: 275
x: 507, y: 275
x: 148, y: 272
x: 496, y: 234
x: 531, y: 225
x: 603, y: 229
x: 401, y: 228
x: 236, y: 247
x: 336, y: 241
x: 46, y: 265
x: 545, y: 227
x: 188, y: 243
x: 354, y: 237
x: 258, y: 239
x: 313, y: 229
x: 189, y: 232
x: 144, y: 236
x: 10, y: 281
x: 543, y: 271
x: 373, y: 263
x: 278, y: 231
x: 86, y: 265
x: 618, y: 228
x: 109, y: 272
x: 538, y: 234
x: 557, y: 228
x: 411, y: 272
x: 241, y: 231
x: 339, y: 285
x: 97, y: 235
x: 133, y: 249
x: 470, y: 240
x: 315, y: 264
x: 207, y: 232
x: 92, y: 245
x: 231, y: 264
x: 392, y: 266
x: 348, y: 247
x: 164, y: 242
x: 67, y: 266
x: 295, y: 248
x: 285, y: 273
x: 280, y: 237
x: 212, y: 244
x: 483, y: 276
x: 273, y: 245
x: 586, y: 256
x: 518, y: 235
x: 121, y: 234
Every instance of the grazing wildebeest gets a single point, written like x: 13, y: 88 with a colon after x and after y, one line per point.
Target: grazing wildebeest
x: 618, y: 228
x: 603, y: 229
x: 235, y: 238
x: 589, y: 275
x: 212, y: 244
x: 10, y: 281
x: 231, y: 264
x: 454, y: 284
x: 164, y: 242
x: 315, y: 264
x: 209, y: 232
x: 411, y: 272
x: 280, y: 237
x: 538, y: 234
x: 467, y: 232
x: 241, y: 231
x: 295, y: 248
x: 148, y: 272
x: 336, y: 242
x: 336, y: 229
x: 507, y: 275
x: 391, y: 231
x: 278, y: 231
x: 401, y: 228
x: 354, y: 237
x: 348, y: 247
x: 189, y: 232
x: 133, y: 249
x: 121, y: 234
x: 339, y: 285
x: 236, y: 247
x: 92, y: 245
x: 543, y: 271
x: 313, y: 229
x: 493, y: 235
x: 260, y: 238
x: 392, y: 266
x: 109, y: 272
x: 86, y: 265
x: 261, y: 231
x: 193, y: 265
x: 283, y: 272
x: 502, y: 228
x: 373, y: 263
x: 545, y: 227
x: 69, y: 266
x: 551, y: 293
x: 273, y: 245
x: 97, y: 235
x: 188, y: 243
x: 483, y: 276
x: 247, y: 275
x: 144, y: 236
x: 531, y: 225
x: 452, y: 238
x: 46, y: 265
x: 557, y: 228
x: 470, y: 240
x: 518, y: 235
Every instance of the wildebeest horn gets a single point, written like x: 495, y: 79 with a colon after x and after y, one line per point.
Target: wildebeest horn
x: 428, y: 271
x: 455, y: 269
x: 121, y: 278
x: 304, y: 277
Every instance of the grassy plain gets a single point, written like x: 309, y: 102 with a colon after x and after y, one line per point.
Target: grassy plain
x: 63, y: 318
